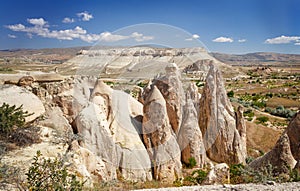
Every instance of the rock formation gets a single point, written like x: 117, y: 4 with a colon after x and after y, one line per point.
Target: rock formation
x: 170, y: 87
x: 190, y: 137
x: 26, y: 81
x: 217, y: 122
x: 280, y: 157
x: 14, y: 95
x: 159, y: 138
x: 285, y: 154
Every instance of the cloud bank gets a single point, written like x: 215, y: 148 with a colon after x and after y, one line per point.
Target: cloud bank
x: 40, y: 28
x: 284, y: 40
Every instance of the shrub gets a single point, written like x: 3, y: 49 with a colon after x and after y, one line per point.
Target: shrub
x: 11, y: 117
x: 47, y: 174
x: 262, y: 119
x: 192, y: 162
x: 230, y: 94
x: 197, y: 176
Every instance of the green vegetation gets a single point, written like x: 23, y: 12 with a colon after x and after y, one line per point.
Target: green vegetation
x: 197, y: 177
x: 47, y: 174
x: 249, y: 114
x: 11, y: 117
x: 262, y: 119
x: 281, y: 112
x: 192, y: 162
x: 230, y: 94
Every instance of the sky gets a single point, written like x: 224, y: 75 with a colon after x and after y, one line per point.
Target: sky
x: 226, y: 26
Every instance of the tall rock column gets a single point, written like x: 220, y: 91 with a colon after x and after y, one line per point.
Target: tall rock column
x: 159, y: 138
x: 217, y: 122
x: 170, y: 87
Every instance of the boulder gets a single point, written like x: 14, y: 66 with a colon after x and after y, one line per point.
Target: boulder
x: 170, y: 87
x: 26, y: 81
x: 219, y: 174
x: 14, y: 95
x: 217, y: 122
x: 159, y: 138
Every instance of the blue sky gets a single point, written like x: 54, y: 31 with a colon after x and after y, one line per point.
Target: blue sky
x: 230, y: 26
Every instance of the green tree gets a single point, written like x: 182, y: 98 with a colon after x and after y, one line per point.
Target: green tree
x: 11, y: 117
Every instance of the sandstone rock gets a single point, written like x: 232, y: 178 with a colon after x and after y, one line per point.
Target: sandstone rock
x: 26, y: 81
x: 192, y: 92
x: 96, y: 137
x: 190, y: 137
x: 240, y: 139
x: 170, y: 87
x: 219, y: 174
x: 217, y: 122
x: 159, y: 138
x: 124, y: 115
x: 14, y: 95
x: 280, y: 157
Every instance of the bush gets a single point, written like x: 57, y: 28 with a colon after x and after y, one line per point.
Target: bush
x: 11, y: 117
x: 192, y: 162
x: 262, y: 119
x: 230, y: 94
x: 47, y: 174
x: 197, y: 176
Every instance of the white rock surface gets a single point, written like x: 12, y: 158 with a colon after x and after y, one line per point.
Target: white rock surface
x: 14, y: 95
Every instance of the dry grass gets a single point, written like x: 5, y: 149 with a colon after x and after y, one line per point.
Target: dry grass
x: 275, y: 101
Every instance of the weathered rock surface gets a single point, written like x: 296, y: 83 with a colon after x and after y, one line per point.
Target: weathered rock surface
x: 190, y: 137
x: 97, y: 138
x: 280, y: 157
x: 217, y: 122
x: 170, y: 87
x: 14, y: 95
x: 293, y: 131
x: 123, y: 115
x: 26, y: 81
x: 219, y: 174
x: 285, y: 153
x: 159, y: 138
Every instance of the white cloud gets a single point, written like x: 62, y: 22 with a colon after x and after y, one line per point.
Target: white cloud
x: 194, y: 36
x: 223, y: 39
x: 12, y: 36
x: 85, y: 16
x: 68, y: 20
x: 283, y: 40
x: 242, y: 40
x: 297, y: 43
x: 41, y: 29
x: 16, y: 27
x: 38, y: 22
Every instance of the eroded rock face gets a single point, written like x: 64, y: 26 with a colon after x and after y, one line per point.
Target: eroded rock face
x: 190, y: 137
x: 14, y: 95
x: 219, y: 174
x: 293, y: 131
x: 170, y: 87
x: 124, y: 114
x: 26, y: 81
x: 159, y: 138
x: 217, y: 122
x: 280, y: 157
x: 285, y: 154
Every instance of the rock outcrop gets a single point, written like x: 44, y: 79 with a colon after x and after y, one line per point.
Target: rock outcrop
x: 159, y: 138
x: 285, y: 154
x: 14, y: 95
x: 26, y: 81
x: 217, y: 122
x: 170, y: 87
x: 280, y: 157
x: 219, y: 174
x: 190, y: 137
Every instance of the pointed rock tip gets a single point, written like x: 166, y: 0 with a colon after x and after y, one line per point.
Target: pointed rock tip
x: 156, y: 95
